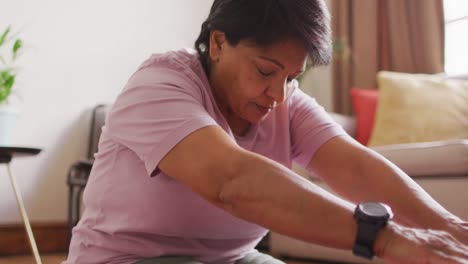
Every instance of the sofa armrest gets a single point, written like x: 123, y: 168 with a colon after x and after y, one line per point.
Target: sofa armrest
x: 449, y: 157
x: 347, y: 122
x: 457, y: 77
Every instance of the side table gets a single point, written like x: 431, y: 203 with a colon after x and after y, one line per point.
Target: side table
x: 7, y: 153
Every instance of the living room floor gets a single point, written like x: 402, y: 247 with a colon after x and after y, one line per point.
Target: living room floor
x: 58, y: 258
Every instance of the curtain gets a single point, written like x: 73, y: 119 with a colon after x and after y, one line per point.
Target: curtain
x: 374, y: 35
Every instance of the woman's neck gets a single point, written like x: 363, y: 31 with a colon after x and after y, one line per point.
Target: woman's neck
x: 239, y: 126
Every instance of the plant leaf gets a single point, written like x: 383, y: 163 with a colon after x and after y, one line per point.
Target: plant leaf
x: 9, y: 83
x: 16, y: 46
x: 5, y: 73
x: 5, y: 91
x: 6, y: 83
x: 4, y: 35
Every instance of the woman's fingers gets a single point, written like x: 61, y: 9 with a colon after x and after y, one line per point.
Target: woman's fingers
x: 462, y: 234
x: 444, y: 245
x: 410, y: 245
x: 443, y: 258
x: 459, y: 229
x: 444, y: 241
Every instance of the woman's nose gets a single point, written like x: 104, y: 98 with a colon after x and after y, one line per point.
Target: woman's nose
x: 277, y: 91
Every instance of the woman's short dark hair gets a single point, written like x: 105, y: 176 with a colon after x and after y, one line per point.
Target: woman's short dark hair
x: 267, y: 21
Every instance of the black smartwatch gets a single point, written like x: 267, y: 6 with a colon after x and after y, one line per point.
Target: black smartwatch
x: 371, y: 217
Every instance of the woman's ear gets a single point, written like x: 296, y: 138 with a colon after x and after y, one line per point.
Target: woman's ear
x: 217, y: 42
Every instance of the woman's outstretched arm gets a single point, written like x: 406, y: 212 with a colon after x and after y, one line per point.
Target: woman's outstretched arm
x: 262, y: 191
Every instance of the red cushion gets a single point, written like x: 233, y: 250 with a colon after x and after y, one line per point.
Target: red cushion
x: 364, y: 104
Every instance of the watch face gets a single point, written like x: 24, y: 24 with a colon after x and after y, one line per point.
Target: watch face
x: 374, y: 209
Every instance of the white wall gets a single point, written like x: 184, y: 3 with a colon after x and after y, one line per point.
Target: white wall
x: 78, y: 54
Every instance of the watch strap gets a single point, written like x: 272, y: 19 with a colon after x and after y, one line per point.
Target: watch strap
x: 365, y: 238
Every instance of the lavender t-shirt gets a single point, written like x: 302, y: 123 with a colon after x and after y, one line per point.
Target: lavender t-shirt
x: 130, y: 215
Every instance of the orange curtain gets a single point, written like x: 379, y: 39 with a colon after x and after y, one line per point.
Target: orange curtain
x: 374, y: 35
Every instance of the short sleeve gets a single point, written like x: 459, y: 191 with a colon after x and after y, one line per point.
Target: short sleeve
x: 310, y: 127
x: 156, y: 110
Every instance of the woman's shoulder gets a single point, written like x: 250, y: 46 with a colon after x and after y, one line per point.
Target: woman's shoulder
x: 183, y: 60
x: 178, y: 67
x: 173, y: 73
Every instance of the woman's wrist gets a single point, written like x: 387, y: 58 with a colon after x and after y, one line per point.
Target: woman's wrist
x: 384, y: 238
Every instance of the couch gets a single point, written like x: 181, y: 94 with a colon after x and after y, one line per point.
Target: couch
x: 440, y: 167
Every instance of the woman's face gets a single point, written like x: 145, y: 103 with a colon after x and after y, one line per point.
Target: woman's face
x: 249, y: 81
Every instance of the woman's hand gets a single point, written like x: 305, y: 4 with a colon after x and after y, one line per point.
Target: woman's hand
x: 459, y: 229
x: 399, y: 244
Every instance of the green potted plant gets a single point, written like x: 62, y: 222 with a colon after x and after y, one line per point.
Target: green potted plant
x: 9, y: 48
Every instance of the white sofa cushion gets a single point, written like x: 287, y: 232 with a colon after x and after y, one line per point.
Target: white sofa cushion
x: 435, y: 158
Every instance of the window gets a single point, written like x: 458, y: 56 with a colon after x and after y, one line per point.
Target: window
x: 456, y: 37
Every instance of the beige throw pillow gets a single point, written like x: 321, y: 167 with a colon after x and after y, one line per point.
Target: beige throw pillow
x: 419, y: 108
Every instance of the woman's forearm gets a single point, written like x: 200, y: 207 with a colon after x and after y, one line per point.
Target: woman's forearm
x: 273, y: 196
x: 378, y: 179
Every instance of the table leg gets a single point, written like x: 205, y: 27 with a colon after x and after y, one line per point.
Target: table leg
x: 25, y: 216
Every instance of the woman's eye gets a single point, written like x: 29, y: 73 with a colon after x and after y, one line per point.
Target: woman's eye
x: 264, y: 73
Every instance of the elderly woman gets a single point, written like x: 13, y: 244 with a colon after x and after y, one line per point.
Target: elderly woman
x: 194, y: 163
